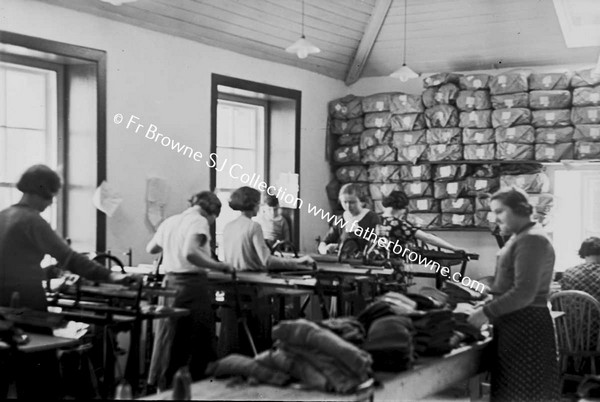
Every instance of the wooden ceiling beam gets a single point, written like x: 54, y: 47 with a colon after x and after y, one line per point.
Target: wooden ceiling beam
x: 368, y: 40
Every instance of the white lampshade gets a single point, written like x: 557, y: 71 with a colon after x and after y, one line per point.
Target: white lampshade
x: 118, y: 2
x: 302, y: 48
x: 404, y: 73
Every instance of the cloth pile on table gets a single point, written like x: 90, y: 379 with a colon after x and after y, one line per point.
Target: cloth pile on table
x: 459, y: 293
x: 347, y: 328
x: 434, y: 333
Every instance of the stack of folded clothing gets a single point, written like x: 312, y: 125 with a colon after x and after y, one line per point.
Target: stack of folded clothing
x: 347, y: 328
x: 429, y: 298
x: 466, y: 332
x: 317, y: 357
x: 460, y: 293
x: 434, y: 333
x: 390, y: 303
x: 390, y: 343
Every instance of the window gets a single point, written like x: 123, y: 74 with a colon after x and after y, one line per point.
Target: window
x: 575, y: 217
x: 240, y: 140
x: 28, y: 129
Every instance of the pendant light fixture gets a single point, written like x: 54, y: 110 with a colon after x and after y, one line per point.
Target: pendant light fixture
x: 302, y: 47
x: 404, y: 73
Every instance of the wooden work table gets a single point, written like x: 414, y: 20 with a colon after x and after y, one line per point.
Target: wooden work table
x: 429, y: 376
x: 40, y: 343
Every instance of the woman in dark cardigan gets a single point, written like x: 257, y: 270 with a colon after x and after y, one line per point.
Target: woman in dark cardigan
x: 355, y: 223
x: 525, y: 363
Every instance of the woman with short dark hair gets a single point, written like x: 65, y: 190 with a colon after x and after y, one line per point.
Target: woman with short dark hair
x: 525, y: 364
x: 586, y: 276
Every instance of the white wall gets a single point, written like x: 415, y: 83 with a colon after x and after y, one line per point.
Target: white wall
x: 165, y: 81
x: 482, y: 243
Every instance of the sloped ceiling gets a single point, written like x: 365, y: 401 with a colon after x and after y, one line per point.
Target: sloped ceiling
x: 442, y: 35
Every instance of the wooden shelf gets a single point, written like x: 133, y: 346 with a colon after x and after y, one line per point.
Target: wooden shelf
x: 486, y: 162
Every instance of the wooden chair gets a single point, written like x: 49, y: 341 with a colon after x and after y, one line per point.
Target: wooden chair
x: 577, y: 332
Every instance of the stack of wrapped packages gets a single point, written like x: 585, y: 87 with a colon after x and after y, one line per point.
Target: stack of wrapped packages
x: 475, y: 107
x: 585, y: 114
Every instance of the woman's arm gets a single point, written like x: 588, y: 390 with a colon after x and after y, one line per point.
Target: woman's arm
x: 194, y: 253
x: 153, y: 247
x: 435, y: 240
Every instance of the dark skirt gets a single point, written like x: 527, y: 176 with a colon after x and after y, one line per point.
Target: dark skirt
x: 526, y: 360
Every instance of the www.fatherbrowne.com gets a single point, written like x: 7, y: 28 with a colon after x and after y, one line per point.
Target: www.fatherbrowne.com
x: 236, y: 172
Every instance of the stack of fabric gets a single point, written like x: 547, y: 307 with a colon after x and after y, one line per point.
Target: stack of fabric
x: 434, y: 333
x: 476, y: 117
x: 408, y: 125
x: 347, y: 328
x: 459, y: 293
x: 585, y: 114
x: 457, y: 209
x: 376, y: 140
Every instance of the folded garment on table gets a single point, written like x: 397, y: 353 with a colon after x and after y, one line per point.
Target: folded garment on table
x: 390, y: 343
x: 399, y: 298
x: 461, y: 293
x: 296, y: 366
x: 425, y: 302
x: 304, y: 333
x: 239, y: 365
x: 347, y: 328
x: 374, y: 311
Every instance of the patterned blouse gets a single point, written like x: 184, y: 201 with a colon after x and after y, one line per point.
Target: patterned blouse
x: 396, y: 229
x: 584, y: 277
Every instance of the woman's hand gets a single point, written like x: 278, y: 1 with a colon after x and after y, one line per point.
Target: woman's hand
x: 478, y: 318
x: 307, y: 260
x: 125, y: 279
x: 328, y: 248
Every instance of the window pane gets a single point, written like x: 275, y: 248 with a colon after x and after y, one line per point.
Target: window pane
x: 2, y: 97
x: 3, y: 154
x: 80, y: 206
x: 25, y: 99
x: 224, y: 179
x: 25, y: 148
x: 247, y: 159
x: 224, y: 125
x: 244, y: 127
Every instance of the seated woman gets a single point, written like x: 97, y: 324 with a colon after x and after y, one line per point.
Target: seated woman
x: 395, y: 227
x: 245, y: 249
x: 586, y: 276
x: 274, y: 225
x: 354, y: 215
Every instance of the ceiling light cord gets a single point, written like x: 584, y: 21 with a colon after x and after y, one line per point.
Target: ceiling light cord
x: 405, y: 23
x: 303, y: 18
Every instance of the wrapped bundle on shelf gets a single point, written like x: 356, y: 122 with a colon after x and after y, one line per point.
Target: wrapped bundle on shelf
x: 405, y: 103
x: 476, y: 119
x: 349, y: 174
x: 424, y: 220
x: 548, y: 81
x: 474, y: 81
x: 450, y: 135
x: 452, y: 189
x: 440, y: 79
x: 443, y: 95
x: 530, y: 183
x: 457, y: 205
x: 478, y: 135
x: 377, y: 120
x: 415, y: 173
x: 510, y: 117
x: 554, y: 152
x: 521, y: 168
x: 587, y: 132
x: 506, y: 101
x: 376, y: 103
x: 348, y: 107
x: 379, y: 191
x: 352, y: 126
x: 585, y: 115
x: 484, y: 170
x: 479, y: 152
x: 441, y: 116
x: 587, y: 150
x: 348, y: 139
x: 450, y: 172
x: 518, y: 135
x: 347, y: 154
x: 478, y: 185
x: 542, y: 203
x: 482, y: 204
x: 401, y: 139
x: 375, y: 136
x: 557, y: 99
x: 407, y: 122
x: 423, y: 205
x: 379, y: 153
x: 413, y: 153
x: 555, y: 135
x: 512, y: 151
x: 484, y: 219
x: 508, y: 83
x: 418, y: 189
x: 586, y: 96
x: 551, y: 118
x: 456, y: 220
x: 473, y: 100
x: 443, y: 152
x: 384, y: 173
x: 584, y: 78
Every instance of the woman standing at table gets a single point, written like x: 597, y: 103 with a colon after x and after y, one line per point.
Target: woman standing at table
x: 525, y: 363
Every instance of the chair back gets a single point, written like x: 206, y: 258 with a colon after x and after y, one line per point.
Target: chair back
x: 577, y: 330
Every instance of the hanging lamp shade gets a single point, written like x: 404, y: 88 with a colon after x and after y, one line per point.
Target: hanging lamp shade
x: 118, y: 2
x: 302, y: 48
x: 404, y: 73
